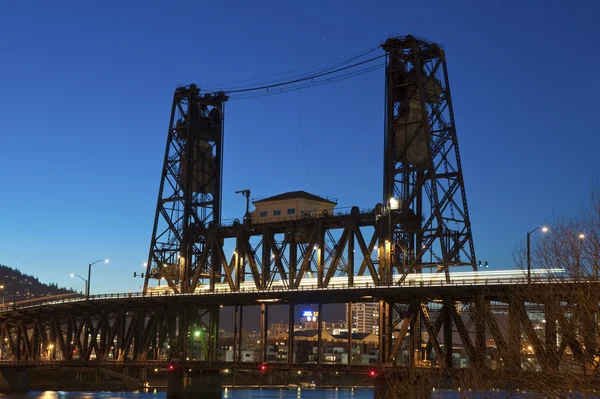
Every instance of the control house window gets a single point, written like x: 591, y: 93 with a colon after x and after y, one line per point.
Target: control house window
x: 277, y: 212
x: 291, y: 211
x: 263, y: 214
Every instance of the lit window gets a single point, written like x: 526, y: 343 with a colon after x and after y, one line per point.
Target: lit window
x: 263, y: 214
x: 291, y: 211
x: 277, y: 212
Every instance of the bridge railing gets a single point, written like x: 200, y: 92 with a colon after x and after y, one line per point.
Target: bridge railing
x: 281, y: 289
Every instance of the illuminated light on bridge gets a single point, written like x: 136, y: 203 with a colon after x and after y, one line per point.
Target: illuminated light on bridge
x: 263, y: 367
x: 372, y: 373
x: 511, y: 276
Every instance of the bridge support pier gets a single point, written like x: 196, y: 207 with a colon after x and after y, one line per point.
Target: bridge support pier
x: 184, y: 384
x: 12, y: 381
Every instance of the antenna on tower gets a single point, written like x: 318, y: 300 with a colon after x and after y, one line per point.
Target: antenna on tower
x: 246, y: 193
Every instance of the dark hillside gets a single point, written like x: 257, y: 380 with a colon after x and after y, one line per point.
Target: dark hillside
x: 14, y: 284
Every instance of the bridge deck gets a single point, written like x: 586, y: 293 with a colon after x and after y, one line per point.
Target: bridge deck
x: 462, y: 289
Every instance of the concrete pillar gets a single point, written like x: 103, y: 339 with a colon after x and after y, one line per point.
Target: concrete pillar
x: 12, y: 381
x: 514, y: 335
x: 448, y: 306
x: 184, y: 384
x: 480, y: 332
x: 350, y: 327
x: 290, y: 343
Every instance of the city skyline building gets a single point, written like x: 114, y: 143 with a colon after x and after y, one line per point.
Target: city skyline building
x: 365, y: 317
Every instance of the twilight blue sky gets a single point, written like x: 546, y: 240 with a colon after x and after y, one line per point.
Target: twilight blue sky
x: 86, y: 89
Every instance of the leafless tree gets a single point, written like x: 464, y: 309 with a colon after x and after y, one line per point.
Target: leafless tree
x: 550, y: 327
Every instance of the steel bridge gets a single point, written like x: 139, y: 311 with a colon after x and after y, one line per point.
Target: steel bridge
x: 376, y: 255
x: 133, y: 327
x: 494, y: 322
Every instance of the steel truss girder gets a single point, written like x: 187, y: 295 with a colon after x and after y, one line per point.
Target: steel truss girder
x: 108, y: 333
x: 324, y: 246
x: 490, y: 325
x: 138, y: 330
x: 421, y: 160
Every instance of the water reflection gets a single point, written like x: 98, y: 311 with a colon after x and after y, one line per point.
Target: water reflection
x: 228, y: 393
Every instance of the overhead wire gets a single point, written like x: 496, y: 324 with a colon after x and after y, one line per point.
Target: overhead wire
x: 307, y: 85
x: 302, y: 75
x: 336, y: 63
x: 311, y: 78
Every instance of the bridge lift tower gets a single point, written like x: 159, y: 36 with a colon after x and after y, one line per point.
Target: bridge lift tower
x: 423, y: 188
x: 423, y: 224
x: 425, y: 220
x: 189, y: 199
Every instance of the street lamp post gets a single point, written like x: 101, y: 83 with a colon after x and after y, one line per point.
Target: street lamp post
x: 581, y: 237
x: 545, y: 230
x: 84, y: 280
x: 15, y: 291
x: 89, y: 279
x: 50, y: 348
x: 394, y: 204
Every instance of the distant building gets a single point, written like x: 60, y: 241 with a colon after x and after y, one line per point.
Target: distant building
x: 310, y: 320
x: 334, y: 347
x: 313, y: 335
x: 363, y: 338
x: 246, y: 355
x: 278, y: 328
x: 365, y: 317
x: 292, y: 205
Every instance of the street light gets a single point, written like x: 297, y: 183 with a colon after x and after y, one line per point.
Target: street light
x: 15, y: 291
x: 84, y: 280
x: 581, y: 236
x: 50, y: 347
x: 544, y: 230
x: 89, y: 281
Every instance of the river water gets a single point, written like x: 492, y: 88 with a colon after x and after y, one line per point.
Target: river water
x: 341, y: 393
x: 345, y: 393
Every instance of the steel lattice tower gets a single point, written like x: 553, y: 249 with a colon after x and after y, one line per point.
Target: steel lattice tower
x: 429, y: 222
x: 189, y: 198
